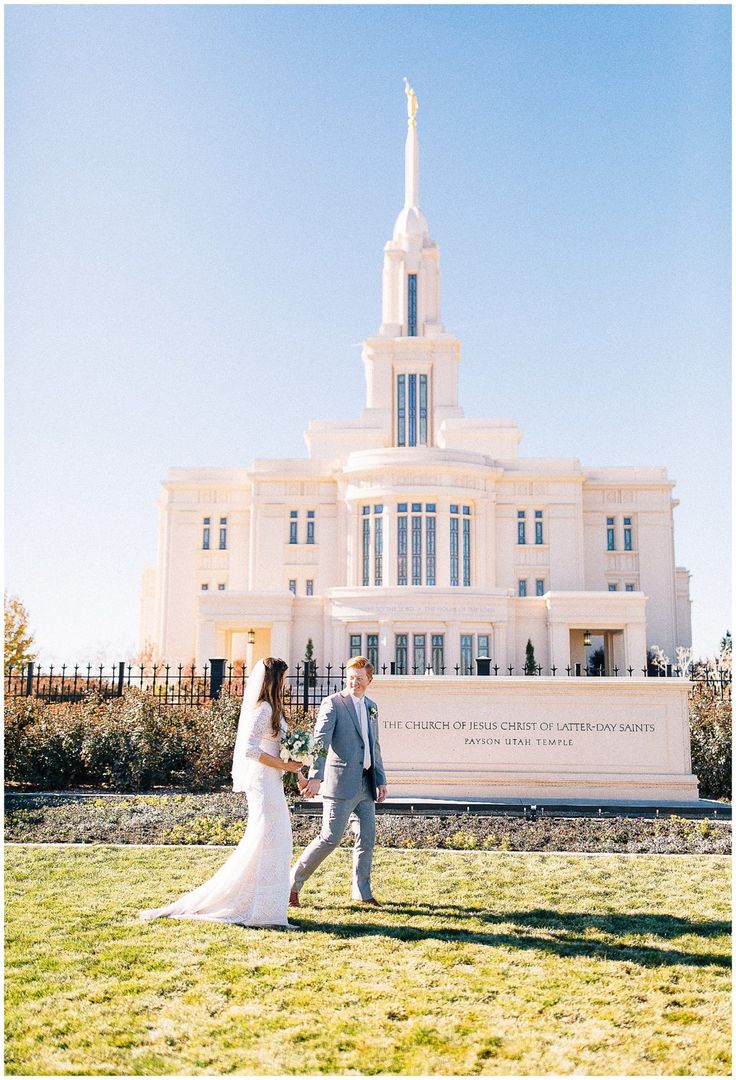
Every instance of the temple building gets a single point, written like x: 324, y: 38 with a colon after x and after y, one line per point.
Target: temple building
x: 413, y: 535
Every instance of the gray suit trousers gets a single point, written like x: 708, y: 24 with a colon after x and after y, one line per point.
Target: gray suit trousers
x: 335, y: 815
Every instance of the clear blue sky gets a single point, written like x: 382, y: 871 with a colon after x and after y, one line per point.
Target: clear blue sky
x: 197, y: 202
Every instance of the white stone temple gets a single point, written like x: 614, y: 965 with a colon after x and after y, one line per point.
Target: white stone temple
x: 411, y: 534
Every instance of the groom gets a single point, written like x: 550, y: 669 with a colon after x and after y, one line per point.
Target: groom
x: 351, y: 779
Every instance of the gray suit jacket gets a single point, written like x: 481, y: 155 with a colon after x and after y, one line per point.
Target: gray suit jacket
x: 341, y: 772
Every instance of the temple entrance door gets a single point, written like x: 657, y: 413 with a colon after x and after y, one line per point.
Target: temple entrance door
x: 603, y: 656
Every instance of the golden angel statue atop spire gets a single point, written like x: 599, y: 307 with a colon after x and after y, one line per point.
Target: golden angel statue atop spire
x: 411, y: 101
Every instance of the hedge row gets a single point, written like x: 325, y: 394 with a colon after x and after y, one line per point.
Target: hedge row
x: 221, y: 819
x: 132, y: 743
x: 135, y: 743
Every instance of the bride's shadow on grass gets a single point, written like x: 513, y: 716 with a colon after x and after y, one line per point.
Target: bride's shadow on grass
x: 537, y: 928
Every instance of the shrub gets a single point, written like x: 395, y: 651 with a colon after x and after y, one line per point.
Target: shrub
x: 209, y: 740
x: 42, y: 747
x: 710, y: 739
x: 130, y: 743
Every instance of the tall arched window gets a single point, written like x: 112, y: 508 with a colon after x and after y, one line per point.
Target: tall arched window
x: 372, y: 525
x: 412, y: 409
x: 411, y: 304
x: 416, y: 549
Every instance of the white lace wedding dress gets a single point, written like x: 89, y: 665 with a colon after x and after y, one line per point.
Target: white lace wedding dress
x: 252, y: 888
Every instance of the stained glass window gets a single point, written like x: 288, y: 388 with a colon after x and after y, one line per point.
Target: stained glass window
x: 431, y: 557
x: 438, y: 654
x: 454, y: 551
x: 466, y: 654
x: 402, y: 648
x: 401, y: 409
x: 466, y: 551
x: 416, y: 549
x: 366, y: 550
x: 378, y: 551
x: 420, y: 654
x: 402, y: 547
x: 422, y: 410
x: 412, y: 304
x: 412, y: 410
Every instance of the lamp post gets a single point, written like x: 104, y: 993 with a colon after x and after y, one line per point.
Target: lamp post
x: 586, y: 645
x: 251, y: 643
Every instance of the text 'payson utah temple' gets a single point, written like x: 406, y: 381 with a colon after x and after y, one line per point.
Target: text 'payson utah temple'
x: 413, y: 535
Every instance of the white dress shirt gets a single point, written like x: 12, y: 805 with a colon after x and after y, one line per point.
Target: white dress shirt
x: 359, y: 703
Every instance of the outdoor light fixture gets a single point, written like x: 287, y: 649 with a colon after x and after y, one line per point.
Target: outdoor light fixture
x: 252, y: 637
x: 586, y: 638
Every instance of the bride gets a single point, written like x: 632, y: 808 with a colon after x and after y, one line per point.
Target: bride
x: 252, y: 888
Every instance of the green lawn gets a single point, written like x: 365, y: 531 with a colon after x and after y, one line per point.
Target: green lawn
x: 480, y: 962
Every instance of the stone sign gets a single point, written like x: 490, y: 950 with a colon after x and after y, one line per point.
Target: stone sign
x: 559, y: 737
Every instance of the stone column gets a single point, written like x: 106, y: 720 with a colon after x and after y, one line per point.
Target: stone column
x: 385, y: 643
x: 452, y: 647
x: 635, y: 647
x: 341, y: 559
x: 558, y: 638
x: 339, y: 644
x: 499, y: 647
x: 478, y: 547
x: 209, y: 641
x: 389, y: 544
x: 281, y: 641
x: 488, y: 580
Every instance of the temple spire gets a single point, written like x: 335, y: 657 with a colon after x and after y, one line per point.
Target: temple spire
x: 411, y: 159
x: 411, y: 270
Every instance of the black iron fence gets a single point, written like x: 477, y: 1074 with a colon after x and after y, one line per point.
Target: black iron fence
x: 307, y: 685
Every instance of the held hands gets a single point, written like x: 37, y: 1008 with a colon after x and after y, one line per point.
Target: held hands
x: 382, y: 793
x: 291, y: 766
x: 311, y: 788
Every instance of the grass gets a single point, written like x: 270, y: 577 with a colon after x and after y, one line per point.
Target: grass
x: 480, y: 963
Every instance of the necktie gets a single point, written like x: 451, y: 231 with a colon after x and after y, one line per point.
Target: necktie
x: 363, y: 716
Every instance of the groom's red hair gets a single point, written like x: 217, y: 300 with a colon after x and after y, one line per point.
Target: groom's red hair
x: 361, y: 662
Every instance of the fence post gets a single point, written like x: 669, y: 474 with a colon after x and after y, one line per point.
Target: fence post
x: 217, y: 677
x: 29, y: 679
x: 121, y: 677
x: 307, y: 673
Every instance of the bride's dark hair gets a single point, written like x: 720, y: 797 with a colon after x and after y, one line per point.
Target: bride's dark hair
x: 272, y: 690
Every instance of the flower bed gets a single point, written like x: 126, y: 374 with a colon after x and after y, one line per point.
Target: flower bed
x: 221, y: 819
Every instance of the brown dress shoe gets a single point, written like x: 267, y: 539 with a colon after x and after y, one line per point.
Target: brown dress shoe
x: 294, y: 899
x: 372, y: 901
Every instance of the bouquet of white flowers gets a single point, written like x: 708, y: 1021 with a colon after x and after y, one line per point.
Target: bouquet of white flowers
x: 301, y: 746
